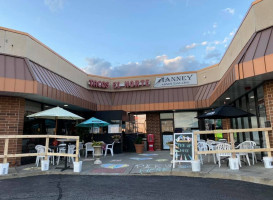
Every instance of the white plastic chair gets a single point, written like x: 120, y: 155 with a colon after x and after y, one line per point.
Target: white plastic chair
x: 223, y: 140
x: 252, y: 145
x: 41, y: 149
x: 220, y: 147
x: 80, y: 148
x: 71, y: 150
x: 202, y: 146
x: 109, y: 147
x: 89, y: 147
x: 212, y: 146
x: 244, y: 145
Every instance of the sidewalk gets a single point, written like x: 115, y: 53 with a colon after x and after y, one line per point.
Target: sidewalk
x: 151, y: 163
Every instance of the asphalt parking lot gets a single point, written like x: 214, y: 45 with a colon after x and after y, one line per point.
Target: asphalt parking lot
x: 130, y: 187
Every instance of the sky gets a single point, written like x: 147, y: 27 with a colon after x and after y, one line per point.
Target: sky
x: 130, y: 37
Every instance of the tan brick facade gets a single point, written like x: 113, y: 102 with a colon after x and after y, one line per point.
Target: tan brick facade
x: 11, y: 123
x: 153, y: 127
x: 268, y: 101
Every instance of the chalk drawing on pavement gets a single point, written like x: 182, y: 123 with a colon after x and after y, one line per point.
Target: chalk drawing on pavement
x: 114, y: 166
x: 145, y: 158
x: 161, y: 160
x: 115, y: 161
x: 151, y: 168
x: 148, y: 154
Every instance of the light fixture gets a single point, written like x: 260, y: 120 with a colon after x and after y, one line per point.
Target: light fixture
x: 252, y: 97
x: 227, y: 98
x: 65, y: 105
x: 46, y: 106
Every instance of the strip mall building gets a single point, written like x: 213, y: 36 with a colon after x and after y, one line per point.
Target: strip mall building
x: 34, y: 77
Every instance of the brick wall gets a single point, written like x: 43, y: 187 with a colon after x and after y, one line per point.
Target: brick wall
x: 153, y: 127
x: 226, y: 124
x: 268, y: 101
x: 11, y: 123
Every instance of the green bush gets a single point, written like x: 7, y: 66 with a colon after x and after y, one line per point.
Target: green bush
x: 138, y: 140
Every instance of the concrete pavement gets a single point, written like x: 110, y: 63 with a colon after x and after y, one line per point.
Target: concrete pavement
x: 152, y: 163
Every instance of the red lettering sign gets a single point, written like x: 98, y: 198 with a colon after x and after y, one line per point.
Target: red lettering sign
x: 132, y: 84
x: 98, y: 84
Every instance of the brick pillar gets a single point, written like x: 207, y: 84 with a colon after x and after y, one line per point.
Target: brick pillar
x: 226, y: 124
x: 268, y: 101
x: 153, y: 127
x: 11, y: 123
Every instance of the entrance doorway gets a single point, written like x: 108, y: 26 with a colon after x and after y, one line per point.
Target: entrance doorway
x: 167, y: 128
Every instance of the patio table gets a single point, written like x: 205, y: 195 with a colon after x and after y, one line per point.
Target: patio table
x: 66, y: 141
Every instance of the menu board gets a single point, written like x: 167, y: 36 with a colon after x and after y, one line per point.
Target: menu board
x: 183, y: 148
x: 113, y: 128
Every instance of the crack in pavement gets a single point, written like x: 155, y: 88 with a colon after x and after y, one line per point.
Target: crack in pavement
x: 60, y: 189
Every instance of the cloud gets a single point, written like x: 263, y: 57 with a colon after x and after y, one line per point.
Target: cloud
x: 210, y: 48
x: 188, y: 47
x: 157, y: 65
x: 214, y: 54
x: 229, y: 11
x: 214, y: 25
x: 98, y: 66
x: 54, y: 5
x: 216, y: 42
x: 209, y: 33
x: 232, y: 33
x: 204, y: 43
x: 191, y: 46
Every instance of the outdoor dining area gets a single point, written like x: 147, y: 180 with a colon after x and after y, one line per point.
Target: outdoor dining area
x: 61, y: 150
x: 227, y: 149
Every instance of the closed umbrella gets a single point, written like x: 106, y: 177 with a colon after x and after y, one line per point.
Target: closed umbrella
x: 55, y: 114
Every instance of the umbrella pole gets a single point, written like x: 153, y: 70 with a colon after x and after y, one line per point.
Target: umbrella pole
x: 92, y: 132
x: 56, y: 126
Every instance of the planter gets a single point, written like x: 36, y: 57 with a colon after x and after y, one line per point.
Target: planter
x: 116, y: 140
x: 44, y: 165
x: 171, y: 149
x: 97, y: 154
x: 77, y: 166
x: 196, y: 166
x: 234, y: 163
x: 268, y: 162
x: 4, y: 168
x: 139, y: 148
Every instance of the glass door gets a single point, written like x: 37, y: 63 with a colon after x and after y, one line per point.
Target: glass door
x: 166, y: 132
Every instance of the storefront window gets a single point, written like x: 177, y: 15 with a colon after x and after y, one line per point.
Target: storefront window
x: 185, y: 121
x: 254, y: 123
x: 239, y: 127
x: 166, y: 115
x: 167, y: 126
x: 261, y: 106
x: 137, y: 124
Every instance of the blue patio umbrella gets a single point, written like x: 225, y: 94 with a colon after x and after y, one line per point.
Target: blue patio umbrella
x: 93, y: 122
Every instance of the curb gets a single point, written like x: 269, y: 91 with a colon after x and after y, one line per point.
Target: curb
x: 236, y: 177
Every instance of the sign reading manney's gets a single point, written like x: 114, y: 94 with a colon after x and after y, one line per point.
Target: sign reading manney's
x: 176, y: 80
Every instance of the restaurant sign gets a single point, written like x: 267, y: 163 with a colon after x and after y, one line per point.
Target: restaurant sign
x: 176, y: 80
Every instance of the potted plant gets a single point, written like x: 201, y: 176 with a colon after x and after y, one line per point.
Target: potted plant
x: 170, y: 144
x: 139, y: 146
x: 116, y: 138
x: 97, y: 151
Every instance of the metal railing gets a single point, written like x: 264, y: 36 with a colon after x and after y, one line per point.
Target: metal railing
x: 231, y: 137
x: 46, y: 153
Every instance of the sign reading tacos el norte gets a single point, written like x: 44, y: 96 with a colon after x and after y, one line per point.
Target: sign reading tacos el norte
x: 176, y: 80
